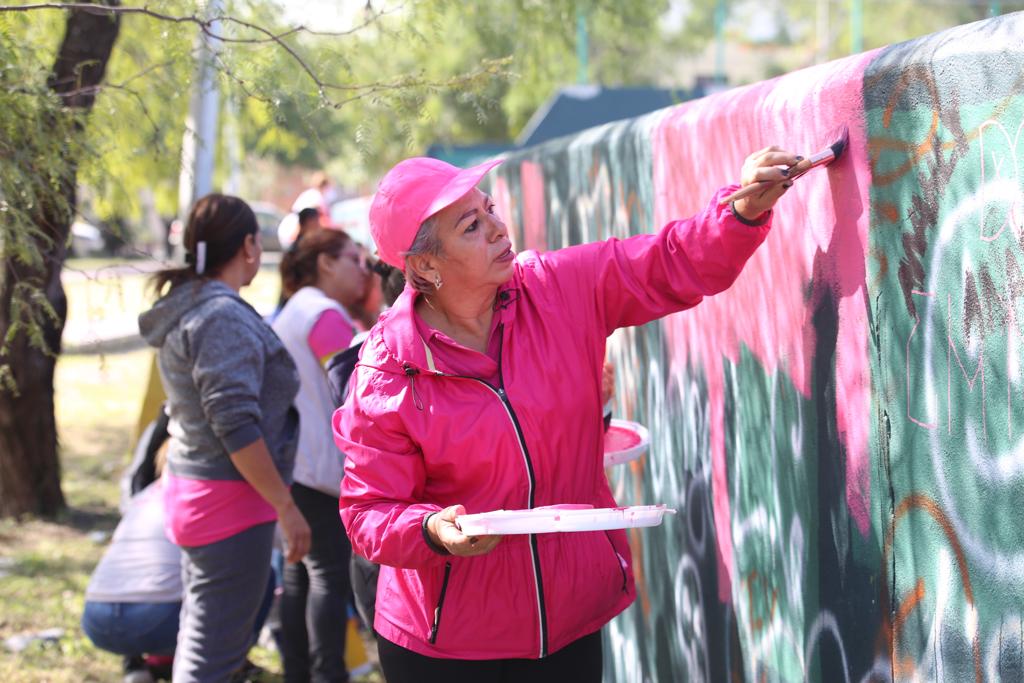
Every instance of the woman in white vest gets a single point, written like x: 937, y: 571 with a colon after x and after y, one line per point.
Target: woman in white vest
x: 325, y: 274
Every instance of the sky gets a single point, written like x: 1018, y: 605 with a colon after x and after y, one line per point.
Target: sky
x: 326, y: 15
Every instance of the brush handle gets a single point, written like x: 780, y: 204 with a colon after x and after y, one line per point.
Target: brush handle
x: 746, y: 191
x: 797, y: 169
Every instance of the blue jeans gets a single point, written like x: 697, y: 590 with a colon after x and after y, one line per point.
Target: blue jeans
x: 132, y: 628
x: 145, y: 628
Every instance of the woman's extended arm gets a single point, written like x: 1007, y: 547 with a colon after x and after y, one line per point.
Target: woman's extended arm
x: 255, y: 464
x: 645, y: 277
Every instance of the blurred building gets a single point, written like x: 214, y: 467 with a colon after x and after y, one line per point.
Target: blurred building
x: 568, y: 111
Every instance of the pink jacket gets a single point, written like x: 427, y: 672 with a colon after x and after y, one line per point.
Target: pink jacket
x: 418, y: 440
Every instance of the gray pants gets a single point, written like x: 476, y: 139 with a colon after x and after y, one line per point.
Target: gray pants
x: 224, y: 584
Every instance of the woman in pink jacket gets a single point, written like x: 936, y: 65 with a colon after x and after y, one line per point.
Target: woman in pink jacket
x: 481, y: 390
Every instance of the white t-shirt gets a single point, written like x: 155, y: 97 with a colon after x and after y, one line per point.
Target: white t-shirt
x: 141, y: 564
x: 318, y: 461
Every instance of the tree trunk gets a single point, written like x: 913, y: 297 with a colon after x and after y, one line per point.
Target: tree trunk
x: 29, y: 462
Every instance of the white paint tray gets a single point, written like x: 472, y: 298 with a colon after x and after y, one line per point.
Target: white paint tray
x: 557, y: 518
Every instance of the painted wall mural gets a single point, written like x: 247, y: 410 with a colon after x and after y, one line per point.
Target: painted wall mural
x: 843, y: 430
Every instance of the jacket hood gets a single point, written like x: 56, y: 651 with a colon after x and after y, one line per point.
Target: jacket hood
x: 156, y: 323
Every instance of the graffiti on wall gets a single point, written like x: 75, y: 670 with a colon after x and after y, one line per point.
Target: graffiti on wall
x: 944, y: 127
x: 843, y: 428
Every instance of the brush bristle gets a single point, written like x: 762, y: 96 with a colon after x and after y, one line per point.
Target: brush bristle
x: 840, y: 145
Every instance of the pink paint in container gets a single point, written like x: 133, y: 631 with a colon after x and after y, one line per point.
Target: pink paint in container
x: 624, y: 441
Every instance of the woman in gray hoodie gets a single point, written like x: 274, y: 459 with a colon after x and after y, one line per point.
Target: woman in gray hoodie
x: 233, y: 430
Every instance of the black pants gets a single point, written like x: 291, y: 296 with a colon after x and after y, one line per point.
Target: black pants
x: 314, y: 606
x: 578, y: 662
x: 363, y: 575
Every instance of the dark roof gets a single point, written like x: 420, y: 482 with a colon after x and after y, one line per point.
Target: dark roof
x: 578, y: 107
x: 465, y: 156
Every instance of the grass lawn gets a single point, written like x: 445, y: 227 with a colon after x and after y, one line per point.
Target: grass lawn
x: 49, y: 563
x: 45, y: 565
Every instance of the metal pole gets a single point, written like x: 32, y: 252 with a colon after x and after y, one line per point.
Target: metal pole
x: 721, y: 14
x: 823, y: 30
x: 232, y: 147
x: 856, y: 26
x: 582, y: 48
x: 199, y: 144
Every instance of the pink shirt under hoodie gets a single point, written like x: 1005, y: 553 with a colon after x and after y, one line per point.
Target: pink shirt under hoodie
x: 202, y: 511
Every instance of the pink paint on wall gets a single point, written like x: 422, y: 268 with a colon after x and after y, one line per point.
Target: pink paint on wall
x: 503, y: 206
x: 529, y: 221
x: 534, y: 211
x: 819, y: 236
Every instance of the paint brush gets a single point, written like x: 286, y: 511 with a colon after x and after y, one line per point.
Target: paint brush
x: 822, y: 158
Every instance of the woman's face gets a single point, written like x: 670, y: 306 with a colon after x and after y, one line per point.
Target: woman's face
x: 475, y: 247
x: 344, y: 277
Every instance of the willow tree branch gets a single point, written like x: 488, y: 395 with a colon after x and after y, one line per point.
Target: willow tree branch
x: 206, y: 26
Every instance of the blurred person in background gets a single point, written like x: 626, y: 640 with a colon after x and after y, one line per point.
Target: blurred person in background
x: 233, y: 431
x: 319, y: 195
x: 324, y: 275
x: 295, y: 226
x: 362, y: 572
x: 133, y: 600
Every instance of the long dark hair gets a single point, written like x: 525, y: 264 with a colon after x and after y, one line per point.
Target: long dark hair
x: 392, y: 281
x: 299, y: 265
x: 222, y: 222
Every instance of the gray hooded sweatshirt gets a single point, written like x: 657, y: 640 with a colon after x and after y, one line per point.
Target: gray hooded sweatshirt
x: 228, y: 378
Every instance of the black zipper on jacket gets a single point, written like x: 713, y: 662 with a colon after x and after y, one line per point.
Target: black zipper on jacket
x: 534, y: 551
x: 618, y: 561
x: 440, y: 602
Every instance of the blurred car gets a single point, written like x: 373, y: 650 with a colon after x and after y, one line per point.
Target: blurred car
x: 86, y: 239
x: 288, y: 230
x: 353, y: 216
x: 269, y: 217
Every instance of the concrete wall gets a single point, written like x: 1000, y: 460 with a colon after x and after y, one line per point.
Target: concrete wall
x: 843, y: 430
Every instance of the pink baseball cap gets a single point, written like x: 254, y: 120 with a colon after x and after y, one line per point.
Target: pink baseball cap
x: 410, y: 193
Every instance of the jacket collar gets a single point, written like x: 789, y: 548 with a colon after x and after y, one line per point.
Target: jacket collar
x: 398, y: 343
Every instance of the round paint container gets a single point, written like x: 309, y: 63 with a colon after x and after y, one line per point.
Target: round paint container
x: 624, y: 441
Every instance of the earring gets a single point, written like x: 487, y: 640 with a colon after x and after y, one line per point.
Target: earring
x: 437, y: 282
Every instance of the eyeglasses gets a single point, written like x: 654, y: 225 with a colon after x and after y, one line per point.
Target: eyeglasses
x: 358, y: 259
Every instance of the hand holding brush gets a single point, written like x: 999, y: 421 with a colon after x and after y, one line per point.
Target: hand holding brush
x: 766, y: 180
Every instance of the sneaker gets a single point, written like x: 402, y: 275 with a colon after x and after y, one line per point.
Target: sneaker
x: 138, y: 676
x: 135, y: 671
x: 159, y: 666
